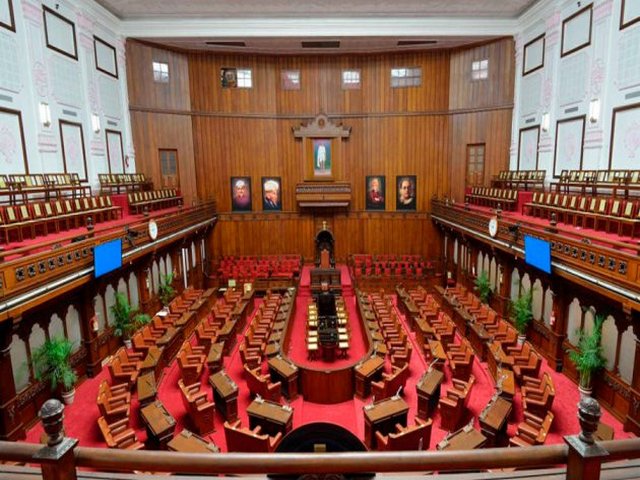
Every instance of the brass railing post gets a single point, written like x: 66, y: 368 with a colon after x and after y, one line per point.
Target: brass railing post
x: 585, y: 455
x: 57, y: 458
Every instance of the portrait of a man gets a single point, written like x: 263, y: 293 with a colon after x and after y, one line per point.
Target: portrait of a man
x: 406, y: 188
x: 241, y: 194
x: 375, y: 185
x: 271, y: 194
x: 322, y: 157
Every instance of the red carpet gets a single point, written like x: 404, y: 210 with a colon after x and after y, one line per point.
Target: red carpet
x: 80, y: 418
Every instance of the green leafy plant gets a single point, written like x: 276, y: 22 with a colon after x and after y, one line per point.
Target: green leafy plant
x: 126, y: 319
x: 588, y: 358
x: 483, y: 286
x: 141, y: 319
x: 166, y: 292
x: 52, y: 363
x: 521, y: 311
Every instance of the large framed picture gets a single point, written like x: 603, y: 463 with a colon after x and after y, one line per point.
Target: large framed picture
x: 375, y: 188
x: 7, y: 20
x: 73, y: 153
x: 241, y: 194
x: 271, y: 200
x: 406, y: 192
x: 533, y: 57
x: 625, y: 137
x: 105, y: 56
x: 115, y: 152
x: 569, y: 141
x: 630, y: 13
x: 60, y: 33
x: 13, y: 150
x: 321, y: 157
x: 528, y: 148
x: 576, y: 31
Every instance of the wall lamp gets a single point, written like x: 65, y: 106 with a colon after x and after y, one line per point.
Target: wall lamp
x: 594, y: 110
x: 95, y: 123
x: 545, y: 121
x: 45, y: 114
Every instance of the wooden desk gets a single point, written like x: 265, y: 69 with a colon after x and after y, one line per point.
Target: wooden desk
x: 272, y: 350
x: 464, y: 439
x: 271, y: 416
x: 225, y: 395
x: 493, y: 421
x: 189, y: 442
x: 147, y: 388
x: 478, y: 338
x: 382, y: 417
x: 508, y: 387
x: 187, y: 322
x: 227, y: 335
x: 170, y: 343
x: 424, y: 332
x: 159, y: 424
x: 215, y: 357
x: 286, y: 373
x: 153, y: 362
x: 604, y: 432
x: 428, y: 389
x: 437, y: 353
x: 370, y: 369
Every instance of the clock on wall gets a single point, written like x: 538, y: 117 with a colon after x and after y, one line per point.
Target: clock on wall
x: 493, y: 226
x: 153, y: 229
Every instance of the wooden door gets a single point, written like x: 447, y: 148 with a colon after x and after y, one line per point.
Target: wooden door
x: 170, y: 175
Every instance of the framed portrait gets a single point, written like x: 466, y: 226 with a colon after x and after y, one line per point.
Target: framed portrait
x: 7, y: 19
x: 630, y: 13
x: 569, y: 141
x: 321, y: 157
x: 625, y: 143
x: 533, y: 55
x: 271, y: 200
x: 13, y: 150
x: 406, y: 192
x: 105, y: 56
x: 229, y: 77
x: 375, y: 188
x: 60, y: 33
x: 576, y: 31
x: 528, y: 148
x: 73, y: 153
x: 241, y: 194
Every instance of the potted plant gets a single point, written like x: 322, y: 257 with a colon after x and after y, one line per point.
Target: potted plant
x: 52, y: 363
x: 166, y: 292
x: 588, y: 358
x: 123, y: 322
x: 521, y: 313
x: 483, y: 286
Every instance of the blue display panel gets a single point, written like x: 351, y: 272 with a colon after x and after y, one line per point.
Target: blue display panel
x: 537, y: 253
x: 107, y: 257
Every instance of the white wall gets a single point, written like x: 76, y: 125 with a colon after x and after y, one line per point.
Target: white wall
x: 607, y: 70
x: 31, y: 73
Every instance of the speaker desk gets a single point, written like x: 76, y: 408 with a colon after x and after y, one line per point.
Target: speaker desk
x: 225, y: 395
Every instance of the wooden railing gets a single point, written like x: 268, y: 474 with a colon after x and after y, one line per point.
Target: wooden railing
x: 61, y: 457
x: 615, y: 264
x: 24, y: 269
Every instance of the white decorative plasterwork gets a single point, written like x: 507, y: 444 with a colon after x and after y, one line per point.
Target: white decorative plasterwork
x: 40, y: 78
x: 47, y: 142
x: 602, y: 11
x: 32, y: 12
x: 9, y: 64
x: 598, y: 76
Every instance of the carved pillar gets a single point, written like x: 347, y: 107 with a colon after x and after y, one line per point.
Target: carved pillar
x: 144, y: 284
x: 89, y: 326
x: 176, y: 264
x: 11, y: 428
x: 502, y: 300
x: 632, y: 422
x: 197, y: 271
x: 559, y: 319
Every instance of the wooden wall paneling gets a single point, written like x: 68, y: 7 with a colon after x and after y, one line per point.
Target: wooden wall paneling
x: 143, y: 91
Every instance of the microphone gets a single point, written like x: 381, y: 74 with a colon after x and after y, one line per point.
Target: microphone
x: 398, y: 393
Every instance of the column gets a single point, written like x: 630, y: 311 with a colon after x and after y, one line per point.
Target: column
x: 559, y: 318
x: 11, y: 428
x: 89, y: 326
x: 632, y: 422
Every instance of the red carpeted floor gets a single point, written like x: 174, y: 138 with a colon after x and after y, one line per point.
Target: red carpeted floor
x: 80, y: 418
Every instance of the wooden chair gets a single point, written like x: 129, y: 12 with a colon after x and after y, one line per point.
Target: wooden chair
x: 242, y: 439
x: 119, y: 435
x: 415, y: 437
x: 259, y: 384
x: 538, y: 404
x: 461, y: 363
x: 453, y: 405
x: 200, y: 410
x: 390, y: 382
x: 113, y: 403
x: 191, y: 367
x: 533, y: 431
x: 126, y: 373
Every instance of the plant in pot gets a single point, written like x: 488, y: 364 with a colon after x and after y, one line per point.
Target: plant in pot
x: 588, y: 358
x: 483, y: 286
x: 52, y: 363
x: 123, y: 320
x: 522, y: 313
x: 166, y: 292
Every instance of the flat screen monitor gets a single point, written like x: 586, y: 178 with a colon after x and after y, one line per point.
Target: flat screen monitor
x: 107, y: 257
x: 537, y: 253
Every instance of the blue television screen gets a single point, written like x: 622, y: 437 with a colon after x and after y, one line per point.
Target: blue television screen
x: 537, y: 253
x: 107, y: 257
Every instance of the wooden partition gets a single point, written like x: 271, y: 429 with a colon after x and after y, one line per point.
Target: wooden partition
x: 421, y: 131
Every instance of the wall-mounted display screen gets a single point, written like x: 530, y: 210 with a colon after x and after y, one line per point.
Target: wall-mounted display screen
x: 537, y: 253
x: 107, y: 257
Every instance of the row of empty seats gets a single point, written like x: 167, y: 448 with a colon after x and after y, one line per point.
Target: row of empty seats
x: 153, y: 200
x: 249, y: 268
x: 515, y: 178
x: 505, y: 198
x: 49, y: 184
x: 123, y: 182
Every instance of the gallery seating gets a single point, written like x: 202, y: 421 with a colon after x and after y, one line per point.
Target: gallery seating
x: 506, y: 198
x: 259, y: 384
x: 415, y: 437
x: 533, y: 431
x: 153, y: 200
x: 242, y: 439
x: 453, y: 405
x: 117, y: 182
x: 119, y: 435
x: 200, y: 410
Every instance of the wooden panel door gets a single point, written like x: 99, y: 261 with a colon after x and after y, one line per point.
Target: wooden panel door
x: 170, y: 175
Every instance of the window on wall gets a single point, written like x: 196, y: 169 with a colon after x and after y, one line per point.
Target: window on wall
x: 290, y: 79
x: 350, y: 79
x: 480, y: 69
x: 160, y: 72
x: 406, y: 77
x: 475, y: 164
x: 168, y: 161
x: 245, y: 79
